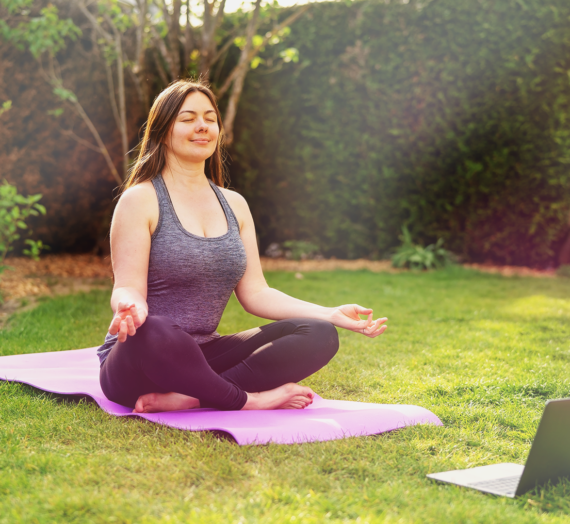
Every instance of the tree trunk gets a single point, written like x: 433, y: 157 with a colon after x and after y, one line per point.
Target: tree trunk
x: 188, y: 39
x: 208, y: 45
x: 139, y: 69
x: 122, y: 104
x: 174, y: 37
x: 207, y: 35
x: 237, y: 77
x: 241, y: 71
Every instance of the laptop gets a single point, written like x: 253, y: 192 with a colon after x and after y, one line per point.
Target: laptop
x: 548, y: 460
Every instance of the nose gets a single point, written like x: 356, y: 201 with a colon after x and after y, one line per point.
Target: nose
x: 201, y: 125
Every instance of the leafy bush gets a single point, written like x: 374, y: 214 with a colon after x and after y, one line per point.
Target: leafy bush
x: 14, y: 210
x: 563, y: 271
x: 447, y: 115
x: 299, y: 249
x: 415, y: 256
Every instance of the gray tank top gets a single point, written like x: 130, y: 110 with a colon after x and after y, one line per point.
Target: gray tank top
x: 190, y: 278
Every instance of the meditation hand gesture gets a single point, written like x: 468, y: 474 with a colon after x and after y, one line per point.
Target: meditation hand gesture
x: 127, y: 319
x: 348, y: 317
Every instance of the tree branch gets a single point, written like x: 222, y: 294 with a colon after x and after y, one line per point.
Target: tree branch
x: 139, y: 53
x: 206, y: 44
x: 220, y: 14
x: 241, y: 68
x: 94, y: 22
x: 188, y: 38
x: 225, y: 47
x: 55, y: 81
x: 174, y: 36
x: 161, y: 47
x: 80, y: 140
x: 111, y: 85
x: 95, y: 133
x: 138, y: 71
x: 288, y: 21
x: 251, y: 55
x: 165, y: 12
x: 159, y: 66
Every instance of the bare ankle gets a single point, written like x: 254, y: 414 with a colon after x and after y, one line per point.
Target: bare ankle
x: 252, y: 401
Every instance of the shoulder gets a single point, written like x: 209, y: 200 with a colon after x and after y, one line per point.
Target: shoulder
x: 138, y: 202
x: 238, y: 204
x: 234, y: 198
x: 139, y: 194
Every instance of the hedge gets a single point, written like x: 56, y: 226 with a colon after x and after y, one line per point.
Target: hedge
x: 449, y: 116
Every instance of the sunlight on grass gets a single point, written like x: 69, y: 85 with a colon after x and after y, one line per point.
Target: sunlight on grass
x: 482, y: 352
x: 539, y: 306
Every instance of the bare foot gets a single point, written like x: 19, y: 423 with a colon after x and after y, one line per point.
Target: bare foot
x: 288, y: 396
x: 157, y: 402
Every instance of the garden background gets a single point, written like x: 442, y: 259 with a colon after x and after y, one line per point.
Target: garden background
x: 448, y: 116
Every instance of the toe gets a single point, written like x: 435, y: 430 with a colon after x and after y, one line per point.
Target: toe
x: 308, y: 392
x: 139, y: 406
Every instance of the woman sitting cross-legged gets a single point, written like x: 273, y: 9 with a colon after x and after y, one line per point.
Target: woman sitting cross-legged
x: 181, y: 244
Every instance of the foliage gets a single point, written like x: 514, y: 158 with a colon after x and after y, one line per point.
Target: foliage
x: 287, y: 55
x: 144, y: 43
x: 300, y: 249
x: 414, y: 256
x: 482, y: 352
x: 447, y: 115
x: 46, y: 32
x: 563, y: 271
x: 15, y: 209
x: 6, y: 106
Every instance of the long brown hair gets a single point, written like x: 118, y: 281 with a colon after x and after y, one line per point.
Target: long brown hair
x: 152, y: 154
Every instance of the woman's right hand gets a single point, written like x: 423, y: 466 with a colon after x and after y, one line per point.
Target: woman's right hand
x: 127, y: 319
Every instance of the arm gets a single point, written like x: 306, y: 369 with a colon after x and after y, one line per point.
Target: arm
x: 133, y: 220
x: 259, y: 299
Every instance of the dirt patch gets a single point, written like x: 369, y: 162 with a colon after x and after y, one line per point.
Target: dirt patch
x: 52, y: 275
x: 512, y: 271
x: 281, y: 264
x: 385, y: 266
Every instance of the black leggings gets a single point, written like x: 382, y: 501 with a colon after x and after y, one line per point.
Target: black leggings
x: 162, y: 358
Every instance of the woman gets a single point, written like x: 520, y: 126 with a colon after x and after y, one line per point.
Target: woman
x: 181, y: 244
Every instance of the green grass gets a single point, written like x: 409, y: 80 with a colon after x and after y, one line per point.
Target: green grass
x: 482, y: 352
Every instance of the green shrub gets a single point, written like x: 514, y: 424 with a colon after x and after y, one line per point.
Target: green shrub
x: 14, y: 211
x: 447, y: 115
x: 563, y: 271
x: 299, y: 249
x: 414, y: 256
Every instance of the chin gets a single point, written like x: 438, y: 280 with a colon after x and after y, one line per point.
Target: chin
x: 197, y: 157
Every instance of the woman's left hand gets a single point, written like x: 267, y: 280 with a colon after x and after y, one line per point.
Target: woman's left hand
x: 348, y: 317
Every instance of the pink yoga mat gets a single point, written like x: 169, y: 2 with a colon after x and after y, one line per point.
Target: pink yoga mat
x: 77, y: 372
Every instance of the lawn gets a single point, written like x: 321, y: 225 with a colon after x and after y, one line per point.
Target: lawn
x: 482, y: 352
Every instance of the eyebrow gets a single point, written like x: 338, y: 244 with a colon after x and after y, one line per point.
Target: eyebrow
x: 194, y: 112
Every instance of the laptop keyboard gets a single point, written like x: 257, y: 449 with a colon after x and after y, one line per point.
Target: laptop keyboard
x: 507, y: 485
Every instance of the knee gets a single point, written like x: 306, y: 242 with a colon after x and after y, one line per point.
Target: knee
x: 157, y: 322
x: 154, y: 329
x: 325, y: 337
